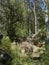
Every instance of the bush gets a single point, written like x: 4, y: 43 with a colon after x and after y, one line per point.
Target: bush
x: 6, y: 43
x: 16, y: 60
x: 45, y: 57
x: 5, y: 49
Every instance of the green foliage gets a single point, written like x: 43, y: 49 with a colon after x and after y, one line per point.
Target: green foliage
x: 14, y: 11
x: 6, y: 43
x: 45, y: 57
x: 5, y: 46
x: 20, y: 30
x: 16, y: 60
x: 17, y: 19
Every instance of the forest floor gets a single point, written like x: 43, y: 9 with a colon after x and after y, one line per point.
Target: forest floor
x: 28, y: 51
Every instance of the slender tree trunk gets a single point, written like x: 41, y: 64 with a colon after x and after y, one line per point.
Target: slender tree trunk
x: 35, y: 17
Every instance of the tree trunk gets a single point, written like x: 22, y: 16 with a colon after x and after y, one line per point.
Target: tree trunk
x: 35, y: 17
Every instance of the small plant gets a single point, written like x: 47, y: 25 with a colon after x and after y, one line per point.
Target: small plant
x: 6, y: 43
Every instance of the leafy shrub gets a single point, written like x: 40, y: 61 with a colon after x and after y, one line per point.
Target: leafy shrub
x: 16, y: 60
x: 45, y: 57
x: 6, y: 43
x: 5, y: 46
